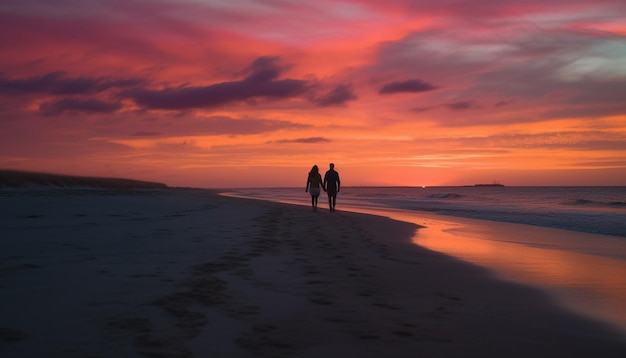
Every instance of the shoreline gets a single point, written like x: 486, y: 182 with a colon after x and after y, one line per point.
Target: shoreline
x: 582, y: 209
x: 187, y: 273
x: 590, y: 285
x: 583, y: 278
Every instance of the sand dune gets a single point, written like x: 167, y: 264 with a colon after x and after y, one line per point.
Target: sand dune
x: 22, y: 179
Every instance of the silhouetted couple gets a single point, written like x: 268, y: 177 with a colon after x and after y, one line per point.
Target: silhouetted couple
x: 330, y: 185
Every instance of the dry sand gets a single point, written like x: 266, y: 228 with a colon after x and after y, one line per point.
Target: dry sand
x: 187, y: 273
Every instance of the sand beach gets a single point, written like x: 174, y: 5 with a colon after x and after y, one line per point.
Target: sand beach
x: 189, y: 273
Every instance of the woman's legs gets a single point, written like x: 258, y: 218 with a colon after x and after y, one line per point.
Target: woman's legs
x: 314, y: 202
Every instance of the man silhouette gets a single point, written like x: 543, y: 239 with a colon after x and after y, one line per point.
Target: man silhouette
x: 332, y: 185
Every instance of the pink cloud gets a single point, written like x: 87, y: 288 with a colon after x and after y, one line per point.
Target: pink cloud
x: 411, y: 86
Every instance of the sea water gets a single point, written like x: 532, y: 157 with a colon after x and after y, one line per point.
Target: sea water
x: 599, y: 210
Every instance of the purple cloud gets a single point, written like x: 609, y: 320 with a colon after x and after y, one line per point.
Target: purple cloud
x: 412, y: 86
x: 338, y: 96
x: 78, y: 105
x: 262, y: 82
x: 146, y: 134
x: 56, y: 83
x: 310, y: 140
x: 504, y: 103
x: 458, y: 106
x: 265, y: 68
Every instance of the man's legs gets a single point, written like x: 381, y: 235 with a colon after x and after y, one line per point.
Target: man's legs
x: 332, y: 198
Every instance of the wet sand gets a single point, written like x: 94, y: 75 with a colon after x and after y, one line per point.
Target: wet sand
x: 188, y: 273
x: 581, y: 271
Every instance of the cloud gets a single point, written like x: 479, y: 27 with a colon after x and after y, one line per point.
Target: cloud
x: 458, y: 106
x: 56, y: 83
x: 455, y: 106
x: 265, y: 68
x: 603, y: 163
x: 221, y: 125
x: 338, y: 96
x: 262, y: 82
x: 584, y: 111
x: 138, y: 128
x: 504, y: 103
x: 146, y: 134
x: 412, y: 86
x: 310, y: 140
x: 227, y: 125
x: 78, y: 105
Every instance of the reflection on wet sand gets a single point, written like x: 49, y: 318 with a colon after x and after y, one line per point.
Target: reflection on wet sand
x: 584, y: 272
x: 587, y: 283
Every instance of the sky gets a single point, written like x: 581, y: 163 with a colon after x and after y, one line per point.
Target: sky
x: 252, y: 93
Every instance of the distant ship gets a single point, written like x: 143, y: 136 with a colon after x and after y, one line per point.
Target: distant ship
x: 490, y: 184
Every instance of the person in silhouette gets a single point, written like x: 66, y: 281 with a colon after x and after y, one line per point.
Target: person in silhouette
x: 332, y: 185
x: 313, y: 184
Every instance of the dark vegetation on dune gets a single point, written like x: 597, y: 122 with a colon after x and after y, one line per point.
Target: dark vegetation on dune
x: 21, y: 179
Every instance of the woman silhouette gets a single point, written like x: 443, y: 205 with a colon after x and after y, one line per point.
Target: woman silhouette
x: 313, y: 184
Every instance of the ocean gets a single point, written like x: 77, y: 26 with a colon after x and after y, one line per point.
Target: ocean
x: 599, y: 210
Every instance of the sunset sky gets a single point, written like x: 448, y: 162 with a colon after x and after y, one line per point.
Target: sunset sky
x: 249, y: 93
